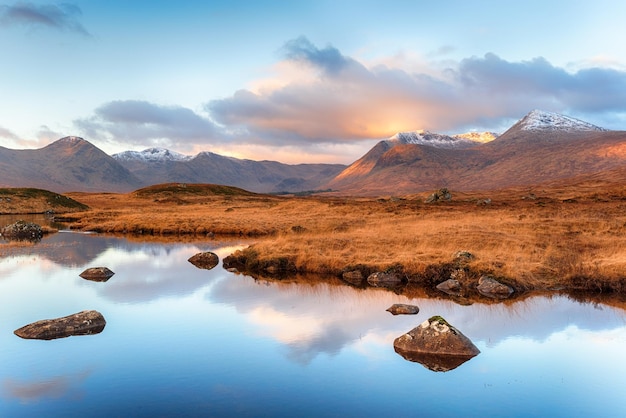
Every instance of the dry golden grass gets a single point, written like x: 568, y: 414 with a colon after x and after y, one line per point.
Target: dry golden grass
x: 560, y: 238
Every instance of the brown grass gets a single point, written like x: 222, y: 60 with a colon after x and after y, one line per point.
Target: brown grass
x: 552, y: 239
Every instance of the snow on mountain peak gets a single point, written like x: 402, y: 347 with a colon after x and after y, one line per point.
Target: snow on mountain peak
x: 480, y: 137
x: 422, y: 137
x: 151, y: 155
x: 539, y: 120
x: 71, y: 139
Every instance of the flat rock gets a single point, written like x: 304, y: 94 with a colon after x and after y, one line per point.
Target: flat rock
x: 436, y: 345
x: 490, y: 287
x: 384, y: 279
x: 403, y: 309
x: 206, y: 260
x: 97, y: 274
x: 81, y: 323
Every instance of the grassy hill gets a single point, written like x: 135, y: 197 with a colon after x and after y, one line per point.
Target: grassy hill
x: 29, y: 200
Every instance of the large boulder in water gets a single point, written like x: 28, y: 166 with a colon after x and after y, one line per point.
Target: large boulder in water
x: 97, y: 274
x: 81, y: 323
x: 206, y: 260
x: 436, y: 345
x: 22, y: 230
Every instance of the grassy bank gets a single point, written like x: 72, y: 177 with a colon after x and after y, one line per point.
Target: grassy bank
x: 547, y: 239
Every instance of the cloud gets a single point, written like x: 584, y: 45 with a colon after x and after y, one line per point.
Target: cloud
x: 320, y: 98
x: 140, y: 122
x: 7, y: 134
x: 339, y: 99
x: 329, y: 59
x: 62, y: 16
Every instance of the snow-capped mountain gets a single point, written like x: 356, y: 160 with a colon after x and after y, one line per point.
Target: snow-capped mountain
x: 539, y: 120
x: 151, y: 155
x: 422, y: 137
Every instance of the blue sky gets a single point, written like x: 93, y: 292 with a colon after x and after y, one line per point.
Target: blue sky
x: 302, y: 81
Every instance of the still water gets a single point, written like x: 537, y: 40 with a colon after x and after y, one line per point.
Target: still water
x: 181, y: 341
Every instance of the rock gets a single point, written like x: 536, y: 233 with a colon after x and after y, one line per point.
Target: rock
x: 450, y: 286
x: 403, y: 309
x: 354, y: 277
x: 436, y: 345
x: 206, y: 260
x: 439, y: 195
x: 463, y: 256
x: 81, y: 323
x: 384, y: 279
x: 22, y: 231
x: 490, y: 287
x: 97, y: 274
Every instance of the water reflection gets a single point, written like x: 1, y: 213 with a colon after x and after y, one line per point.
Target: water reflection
x: 211, y: 342
x: 311, y: 319
x: 28, y: 391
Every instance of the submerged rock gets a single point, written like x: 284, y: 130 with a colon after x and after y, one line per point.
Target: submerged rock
x: 450, y: 286
x: 81, y: 323
x: 384, y: 279
x: 403, y: 309
x: 436, y: 345
x: 97, y: 274
x: 206, y: 260
x: 490, y: 287
x: 22, y: 230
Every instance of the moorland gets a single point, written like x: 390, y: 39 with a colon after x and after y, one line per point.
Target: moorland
x: 554, y: 237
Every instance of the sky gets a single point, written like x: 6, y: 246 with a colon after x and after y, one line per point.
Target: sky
x: 301, y: 81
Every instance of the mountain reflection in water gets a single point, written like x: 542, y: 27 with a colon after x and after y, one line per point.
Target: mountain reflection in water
x: 187, y: 341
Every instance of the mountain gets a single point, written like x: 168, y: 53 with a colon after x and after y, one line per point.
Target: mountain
x: 540, y: 147
x: 69, y: 164
x: 73, y: 164
x: 155, y: 165
x: 542, y: 121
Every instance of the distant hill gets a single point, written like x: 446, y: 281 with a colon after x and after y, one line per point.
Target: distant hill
x: 69, y: 164
x: 157, y: 165
x: 540, y: 147
x: 73, y: 164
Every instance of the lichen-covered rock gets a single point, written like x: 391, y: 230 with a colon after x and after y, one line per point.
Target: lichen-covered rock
x: 97, y: 274
x: 81, y: 323
x: 490, y: 287
x: 403, y: 309
x: 439, y: 195
x: 206, y: 260
x: 354, y: 277
x: 450, y: 286
x: 384, y: 279
x: 22, y: 230
x: 436, y: 344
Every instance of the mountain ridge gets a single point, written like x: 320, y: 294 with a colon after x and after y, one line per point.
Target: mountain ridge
x: 541, y: 146
x: 552, y: 147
